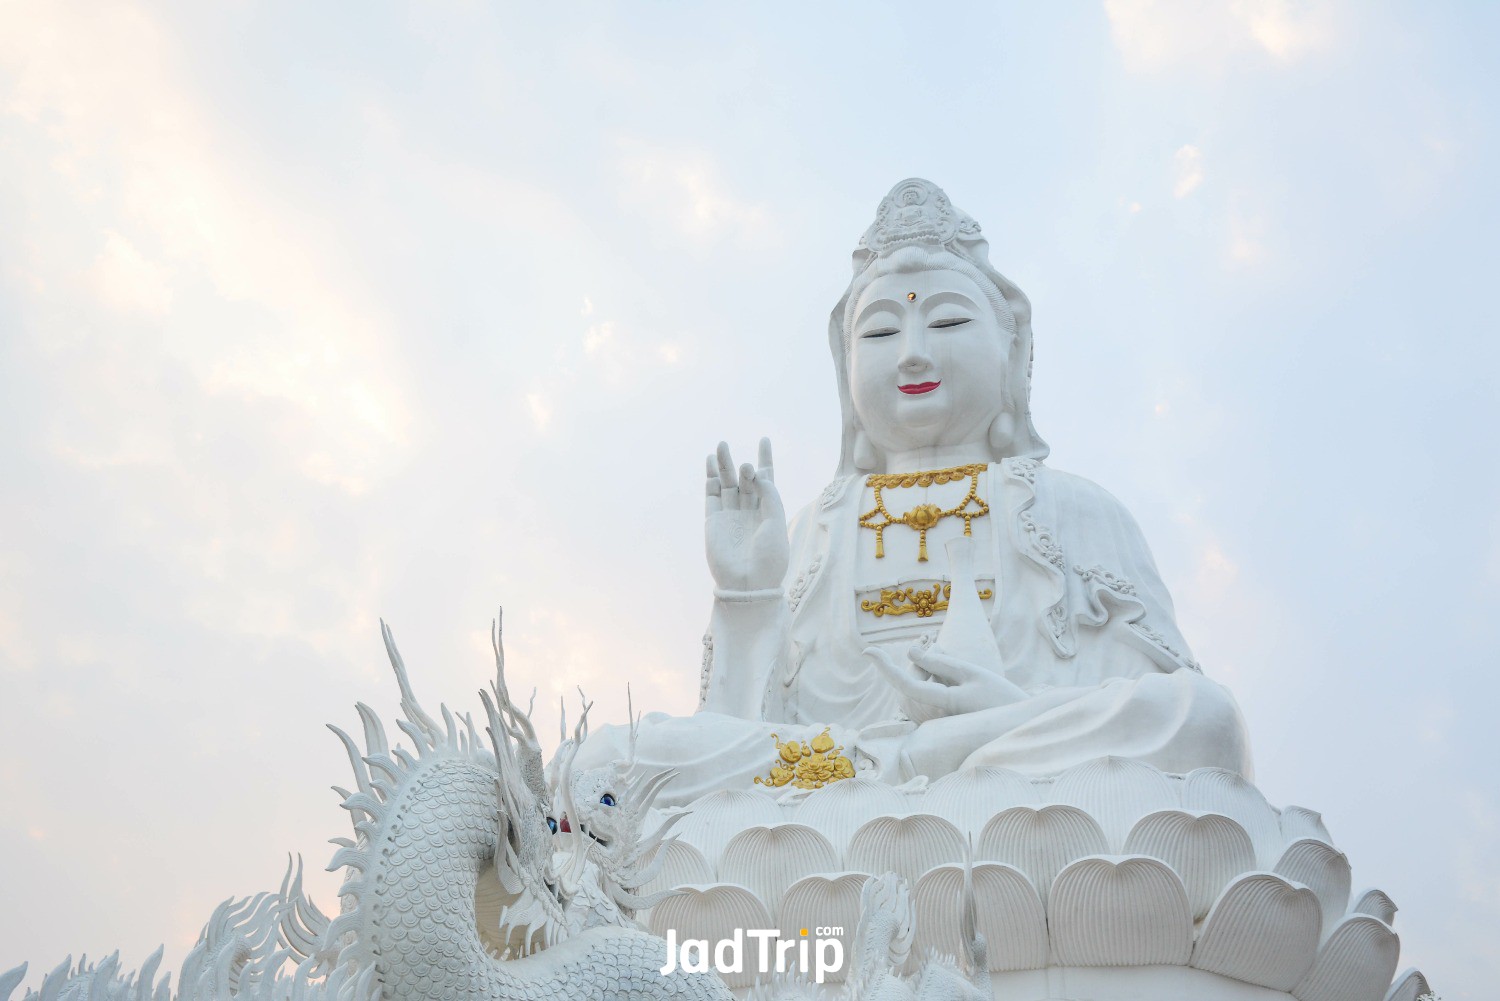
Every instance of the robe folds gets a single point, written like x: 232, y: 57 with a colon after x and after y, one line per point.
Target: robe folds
x: 1084, y: 625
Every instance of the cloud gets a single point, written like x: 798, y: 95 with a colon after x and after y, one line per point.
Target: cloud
x: 1156, y: 35
x: 128, y: 282
x: 540, y: 408
x: 1188, y: 165
x: 247, y: 291
x: 1247, y: 228
x: 686, y: 188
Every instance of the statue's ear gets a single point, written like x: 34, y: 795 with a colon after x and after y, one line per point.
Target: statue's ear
x: 1003, y: 432
x: 864, y: 451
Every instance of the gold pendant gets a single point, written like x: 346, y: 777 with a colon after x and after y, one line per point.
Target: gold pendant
x: 923, y: 517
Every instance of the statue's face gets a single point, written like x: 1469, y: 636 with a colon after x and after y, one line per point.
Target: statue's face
x: 927, y: 358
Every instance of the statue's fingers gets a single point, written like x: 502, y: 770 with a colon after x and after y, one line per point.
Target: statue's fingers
x: 902, y: 677
x: 763, y: 460
x: 940, y: 665
x: 729, y: 486
x: 711, y: 488
x: 749, y: 488
x: 770, y: 499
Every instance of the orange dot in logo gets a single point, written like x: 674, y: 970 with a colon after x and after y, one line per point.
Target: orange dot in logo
x: 804, y: 931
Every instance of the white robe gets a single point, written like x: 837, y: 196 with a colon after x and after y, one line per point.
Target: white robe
x: 1082, y: 619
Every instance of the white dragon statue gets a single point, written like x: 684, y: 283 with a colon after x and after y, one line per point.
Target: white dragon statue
x: 455, y: 888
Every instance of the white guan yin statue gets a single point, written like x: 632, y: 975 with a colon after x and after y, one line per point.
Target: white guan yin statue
x: 1080, y: 656
x: 949, y: 736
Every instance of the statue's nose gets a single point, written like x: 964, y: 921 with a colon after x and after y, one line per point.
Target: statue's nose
x: 914, y: 355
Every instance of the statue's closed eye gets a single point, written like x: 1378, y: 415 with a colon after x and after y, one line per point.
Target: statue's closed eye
x: 948, y: 321
x: 882, y: 332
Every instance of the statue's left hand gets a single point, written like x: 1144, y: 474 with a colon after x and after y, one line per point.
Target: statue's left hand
x: 936, y: 684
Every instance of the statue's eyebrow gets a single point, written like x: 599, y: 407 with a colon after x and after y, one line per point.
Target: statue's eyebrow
x: 888, y: 305
x: 945, y: 297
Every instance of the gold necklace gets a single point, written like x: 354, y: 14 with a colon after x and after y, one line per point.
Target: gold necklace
x: 923, y: 516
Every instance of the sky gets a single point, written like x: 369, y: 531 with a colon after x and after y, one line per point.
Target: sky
x: 313, y: 314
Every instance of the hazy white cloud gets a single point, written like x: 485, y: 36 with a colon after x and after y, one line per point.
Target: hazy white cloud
x: 540, y: 408
x: 110, y: 131
x: 1247, y: 228
x: 1187, y: 165
x: 686, y: 189
x: 1153, y: 35
x: 598, y: 337
x: 127, y: 281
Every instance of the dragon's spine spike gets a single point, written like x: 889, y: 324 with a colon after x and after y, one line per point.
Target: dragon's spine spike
x: 367, y: 803
x: 147, y: 978
x: 104, y: 977
x: 356, y: 759
x: 418, y: 738
x: 404, y: 756
x: 375, y: 743
x: 450, y: 726
x: 52, y: 983
x: 634, y: 721
x: 409, y: 704
x: 473, y: 735
x: 385, y: 765
x: 9, y: 979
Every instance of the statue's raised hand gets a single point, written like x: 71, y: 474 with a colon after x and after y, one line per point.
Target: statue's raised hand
x: 746, y: 524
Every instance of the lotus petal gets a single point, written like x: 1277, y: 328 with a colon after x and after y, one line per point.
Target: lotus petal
x: 1263, y: 930
x: 770, y: 859
x: 828, y: 901
x: 971, y: 797
x: 1218, y: 790
x: 719, y: 816
x: 1116, y: 792
x: 907, y: 846
x: 1322, y: 868
x: 1040, y: 842
x: 684, y: 864
x: 840, y: 809
x: 1355, y: 964
x: 1298, y: 822
x: 1119, y: 911
x: 1011, y: 917
x: 1409, y: 986
x: 712, y: 912
x: 1206, y: 852
x: 1377, y: 904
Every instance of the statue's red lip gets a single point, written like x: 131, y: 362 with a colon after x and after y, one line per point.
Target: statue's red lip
x: 913, y: 388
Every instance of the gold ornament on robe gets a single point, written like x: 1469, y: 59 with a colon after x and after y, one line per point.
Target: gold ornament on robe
x: 810, y: 765
x: 926, y: 602
x: 923, y: 516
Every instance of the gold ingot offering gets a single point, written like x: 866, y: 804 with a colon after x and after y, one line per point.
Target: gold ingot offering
x: 807, y: 766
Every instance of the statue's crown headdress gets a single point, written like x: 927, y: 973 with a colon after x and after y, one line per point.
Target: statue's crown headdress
x: 916, y: 212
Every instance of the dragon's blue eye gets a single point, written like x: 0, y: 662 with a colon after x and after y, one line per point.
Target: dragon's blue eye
x: 607, y: 800
x: 552, y: 824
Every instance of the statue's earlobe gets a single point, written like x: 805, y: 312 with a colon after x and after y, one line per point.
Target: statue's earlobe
x: 864, y: 451
x: 1003, y: 433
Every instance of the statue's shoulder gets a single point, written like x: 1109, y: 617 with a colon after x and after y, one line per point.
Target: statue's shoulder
x: 1064, y: 491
